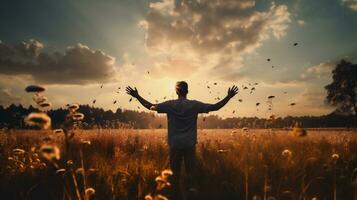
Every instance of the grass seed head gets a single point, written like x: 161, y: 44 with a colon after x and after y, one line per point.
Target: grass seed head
x: 78, y: 116
x: 89, y: 191
x: 40, y: 120
x: 50, y: 152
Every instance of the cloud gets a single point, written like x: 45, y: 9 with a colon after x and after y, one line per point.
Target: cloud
x: 318, y: 71
x: 352, y: 4
x: 77, y: 65
x: 8, y: 98
x: 210, y: 33
x: 314, y: 101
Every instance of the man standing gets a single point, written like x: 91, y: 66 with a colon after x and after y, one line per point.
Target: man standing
x: 182, y: 129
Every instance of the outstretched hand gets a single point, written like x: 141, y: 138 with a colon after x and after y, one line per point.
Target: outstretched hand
x: 132, y: 92
x: 232, y: 91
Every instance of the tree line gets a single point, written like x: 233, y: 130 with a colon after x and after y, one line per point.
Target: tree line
x: 12, y: 117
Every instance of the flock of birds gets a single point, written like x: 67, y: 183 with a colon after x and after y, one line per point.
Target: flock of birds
x: 251, y: 87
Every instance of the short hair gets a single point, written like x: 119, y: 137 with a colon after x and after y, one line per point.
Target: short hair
x: 181, y: 88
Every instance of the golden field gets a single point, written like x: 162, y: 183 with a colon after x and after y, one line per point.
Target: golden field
x: 232, y: 164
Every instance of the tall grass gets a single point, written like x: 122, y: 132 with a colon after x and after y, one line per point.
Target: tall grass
x: 253, y: 164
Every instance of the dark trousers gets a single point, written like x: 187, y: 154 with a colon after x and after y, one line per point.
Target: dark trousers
x: 177, y: 155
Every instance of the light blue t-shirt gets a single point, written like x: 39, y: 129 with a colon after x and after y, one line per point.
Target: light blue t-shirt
x: 182, y: 121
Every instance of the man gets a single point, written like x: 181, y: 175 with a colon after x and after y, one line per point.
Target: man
x: 182, y: 129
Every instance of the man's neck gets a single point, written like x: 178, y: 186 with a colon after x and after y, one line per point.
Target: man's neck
x: 182, y: 97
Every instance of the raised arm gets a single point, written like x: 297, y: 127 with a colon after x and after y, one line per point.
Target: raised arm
x: 135, y: 93
x: 231, y: 93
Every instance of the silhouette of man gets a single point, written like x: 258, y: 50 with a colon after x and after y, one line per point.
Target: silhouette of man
x: 182, y: 129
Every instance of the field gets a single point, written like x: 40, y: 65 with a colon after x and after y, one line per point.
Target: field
x: 232, y: 164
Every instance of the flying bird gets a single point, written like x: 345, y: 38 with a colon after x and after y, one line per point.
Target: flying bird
x: 257, y: 104
x: 292, y: 104
x: 245, y: 88
x: 115, y: 102
x: 130, y: 99
x: 214, y: 83
x: 270, y: 97
x: 240, y: 100
x: 268, y: 59
x: 295, y: 44
x: 94, y: 101
x: 101, y: 86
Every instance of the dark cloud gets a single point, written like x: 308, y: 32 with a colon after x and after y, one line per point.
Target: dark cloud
x: 77, y: 65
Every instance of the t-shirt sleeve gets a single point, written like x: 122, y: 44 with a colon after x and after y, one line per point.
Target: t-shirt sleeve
x: 202, y: 107
x: 163, y: 107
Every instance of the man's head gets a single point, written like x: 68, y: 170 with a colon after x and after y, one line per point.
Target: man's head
x: 181, y: 88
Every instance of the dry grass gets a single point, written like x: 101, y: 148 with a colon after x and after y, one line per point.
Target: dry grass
x: 232, y: 164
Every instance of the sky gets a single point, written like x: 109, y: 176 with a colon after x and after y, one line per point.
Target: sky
x: 87, y: 50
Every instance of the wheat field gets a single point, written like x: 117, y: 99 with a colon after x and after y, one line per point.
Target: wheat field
x: 232, y: 164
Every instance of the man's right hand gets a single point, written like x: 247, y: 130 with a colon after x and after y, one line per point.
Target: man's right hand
x: 232, y: 91
x: 132, y: 92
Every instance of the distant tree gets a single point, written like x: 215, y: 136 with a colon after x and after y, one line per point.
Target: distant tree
x: 342, y: 92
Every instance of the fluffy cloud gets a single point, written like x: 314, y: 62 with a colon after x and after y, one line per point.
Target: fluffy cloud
x: 318, y: 71
x: 211, y: 33
x: 352, y: 4
x: 77, y: 65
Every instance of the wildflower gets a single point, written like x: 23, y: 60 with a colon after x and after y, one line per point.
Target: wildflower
x: 89, y: 192
x: 222, y: 150
x: 50, y: 152
x: 57, y: 131
x: 166, y: 173
x: 160, y: 179
x: 40, y: 120
x: 78, y: 116
x: 286, y: 153
x: 148, y: 197
x: 70, y: 163
x: 245, y: 129
x: 60, y: 171
x: 18, y: 151
x: 161, y: 183
x: 45, y: 105
x: 85, y: 142
x: 73, y: 107
x: 335, y: 157
x: 34, y: 88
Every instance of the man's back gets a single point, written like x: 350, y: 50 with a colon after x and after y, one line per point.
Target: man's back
x: 182, y: 120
